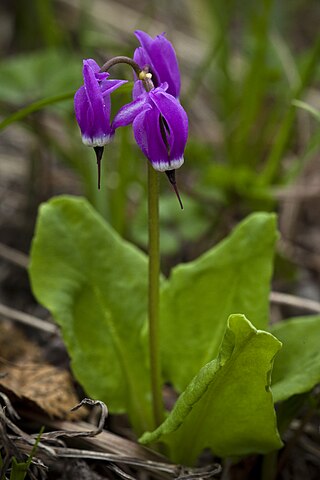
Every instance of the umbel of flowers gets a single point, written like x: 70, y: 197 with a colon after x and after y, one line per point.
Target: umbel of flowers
x: 159, y: 122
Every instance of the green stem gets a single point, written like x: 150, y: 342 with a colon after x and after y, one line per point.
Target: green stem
x: 269, y: 466
x: 154, y: 257
x: 154, y: 272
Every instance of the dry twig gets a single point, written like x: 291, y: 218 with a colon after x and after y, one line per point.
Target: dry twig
x: 295, y: 301
x: 14, y: 256
x: 27, y: 319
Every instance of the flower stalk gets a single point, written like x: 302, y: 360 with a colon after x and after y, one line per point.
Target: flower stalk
x: 154, y: 258
x: 121, y: 59
x: 153, y: 306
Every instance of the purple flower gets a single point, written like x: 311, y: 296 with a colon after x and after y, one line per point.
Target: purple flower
x: 92, y: 105
x: 159, y: 55
x: 160, y: 127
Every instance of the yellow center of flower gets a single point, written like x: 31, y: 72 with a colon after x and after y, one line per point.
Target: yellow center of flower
x: 144, y: 75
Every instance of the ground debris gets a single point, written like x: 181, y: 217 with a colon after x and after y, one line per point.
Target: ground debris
x: 43, y: 387
x: 26, y: 378
x: 9, y: 447
x: 79, y: 469
x: 128, y: 461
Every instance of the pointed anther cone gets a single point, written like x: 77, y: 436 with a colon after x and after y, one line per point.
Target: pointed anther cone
x: 171, y: 174
x: 99, y: 153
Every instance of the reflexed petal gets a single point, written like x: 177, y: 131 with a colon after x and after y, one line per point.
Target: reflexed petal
x: 107, y: 109
x: 138, y: 89
x: 148, y: 137
x: 100, y: 76
x: 144, y: 39
x: 92, y: 64
x: 92, y: 104
x: 93, y: 93
x: 163, y: 86
x: 89, y: 62
x: 108, y: 86
x: 176, y: 118
x: 163, y: 59
x: 81, y: 106
x: 128, y: 113
x: 99, y: 119
x: 142, y: 58
x: 85, y: 117
x: 92, y: 112
x: 140, y: 133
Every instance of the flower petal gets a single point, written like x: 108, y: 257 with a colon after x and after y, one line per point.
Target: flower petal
x: 92, y: 64
x: 92, y: 104
x: 141, y: 57
x: 89, y: 62
x: 128, y: 113
x: 164, y: 63
x: 138, y: 89
x: 92, y: 110
x: 94, y: 95
x: 144, y: 39
x: 143, y: 60
x: 177, y: 121
x: 108, y: 86
x: 85, y: 118
x: 81, y: 106
x: 148, y: 136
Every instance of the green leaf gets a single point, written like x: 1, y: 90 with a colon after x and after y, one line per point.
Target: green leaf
x: 34, y: 107
x: 228, y: 406
x: 234, y: 276
x: 297, y: 367
x: 95, y: 285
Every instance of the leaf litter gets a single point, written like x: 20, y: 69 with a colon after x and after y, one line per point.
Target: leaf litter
x: 32, y: 391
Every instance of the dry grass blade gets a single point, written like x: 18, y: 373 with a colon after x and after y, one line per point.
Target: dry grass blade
x: 294, y: 301
x: 27, y: 319
x: 14, y: 256
x: 126, y: 460
x: 13, y: 414
x: 120, y: 472
x: 299, y: 255
x: 105, y: 441
x: 111, y: 448
x: 176, y: 471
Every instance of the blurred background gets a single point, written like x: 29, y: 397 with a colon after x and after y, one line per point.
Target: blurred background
x: 251, y: 87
